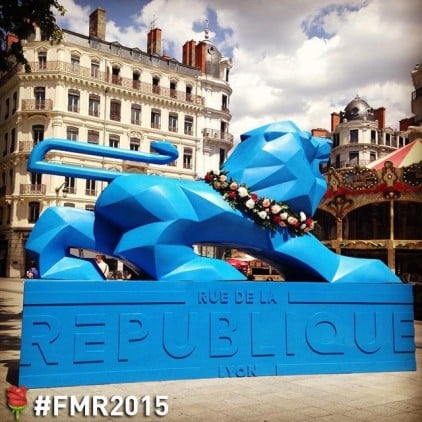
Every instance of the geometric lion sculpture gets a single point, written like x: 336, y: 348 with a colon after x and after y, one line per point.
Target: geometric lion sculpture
x: 261, y: 202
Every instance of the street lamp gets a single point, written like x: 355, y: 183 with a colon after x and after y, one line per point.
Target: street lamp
x: 63, y: 187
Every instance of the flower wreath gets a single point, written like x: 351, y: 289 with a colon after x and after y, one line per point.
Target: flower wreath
x: 265, y: 212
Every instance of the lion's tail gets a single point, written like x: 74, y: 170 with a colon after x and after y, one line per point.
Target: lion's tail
x: 166, y: 153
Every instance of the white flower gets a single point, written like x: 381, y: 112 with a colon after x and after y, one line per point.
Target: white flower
x: 242, y: 191
x: 284, y: 215
x: 275, y: 209
x: 250, y: 203
x: 263, y: 214
x: 292, y: 220
x: 302, y: 216
x: 302, y: 226
x: 222, y: 178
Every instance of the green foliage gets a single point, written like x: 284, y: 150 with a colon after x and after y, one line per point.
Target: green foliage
x: 18, y: 17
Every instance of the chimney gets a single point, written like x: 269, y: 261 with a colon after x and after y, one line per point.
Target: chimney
x: 154, y: 41
x: 189, y: 53
x: 335, y: 120
x: 200, y: 56
x: 380, y: 116
x: 10, y: 39
x: 97, y: 23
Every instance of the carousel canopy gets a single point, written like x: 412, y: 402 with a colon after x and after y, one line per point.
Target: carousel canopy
x: 405, y: 156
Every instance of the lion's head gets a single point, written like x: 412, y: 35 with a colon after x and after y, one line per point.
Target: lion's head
x: 281, y: 162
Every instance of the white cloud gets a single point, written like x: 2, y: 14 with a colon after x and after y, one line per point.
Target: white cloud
x: 281, y: 72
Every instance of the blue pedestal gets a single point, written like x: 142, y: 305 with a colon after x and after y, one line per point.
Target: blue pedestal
x: 79, y: 333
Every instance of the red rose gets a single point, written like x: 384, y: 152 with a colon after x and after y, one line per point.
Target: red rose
x: 276, y: 219
x: 232, y: 195
x: 208, y: 177
x: 16, y: 396
x: 254, y: 196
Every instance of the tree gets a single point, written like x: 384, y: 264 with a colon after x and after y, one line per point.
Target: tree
x: 18, y: 17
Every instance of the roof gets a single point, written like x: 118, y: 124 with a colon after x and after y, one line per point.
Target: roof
x: 405, y: 156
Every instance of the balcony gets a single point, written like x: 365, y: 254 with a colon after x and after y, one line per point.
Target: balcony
x: 26, y: 189
x: 217, y: 136
x: 26, y: 146
x: 129, y: 83
x: 35, y: 105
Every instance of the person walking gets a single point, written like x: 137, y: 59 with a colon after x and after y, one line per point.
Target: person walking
x: 102, y: 265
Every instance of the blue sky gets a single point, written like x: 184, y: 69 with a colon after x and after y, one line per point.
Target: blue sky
x: 295, y: 60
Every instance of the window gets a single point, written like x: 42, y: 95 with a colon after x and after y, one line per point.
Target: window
x: 6, y: 115
x: 173, y: 122
x: 188, y: 125
x: 93, y: 137
x: 187, y: 158
x: 115, y: 76
x: 224, y: 102
x: 69, y: 204
x: 72, y: 133
x: 373, y: 136
x: 74, y: 64
x: 189, y: 93
x: 7, y: 108
x: 94, y: 105
x: 15, y: 101
x: 12, y: 182
x: 173, y: 90
x: 33, y: 212
x: 73, y: 100
x: 134, y: 144
x: 90, y: 207
x: 37, y: 133
x: 90, y: 188
x: 336, y: 140
x: 114, y: 141
x: 155, y: 118
x: 135, y: 114
x: 353, y: 158
x: 36, y: 179
x: 372, y: 156
x: 42, y: 60
x: 388, y: 139
x: 39, y: 93
x: 136, y: 80
x: 6, y: 141
x: 115, y: 110
x: 70, y: 185
x: 95, y: 69
x: 222, y: 157
x: 354, y: 136
x: 156, y: 85
x: 12, y: 140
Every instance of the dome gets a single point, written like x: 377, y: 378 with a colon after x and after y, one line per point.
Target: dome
x: 358, y: 109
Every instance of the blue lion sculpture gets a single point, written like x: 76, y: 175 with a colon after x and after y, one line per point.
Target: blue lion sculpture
x: 151, y: 222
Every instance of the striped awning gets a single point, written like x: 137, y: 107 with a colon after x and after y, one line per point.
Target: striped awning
x: 405, y: 156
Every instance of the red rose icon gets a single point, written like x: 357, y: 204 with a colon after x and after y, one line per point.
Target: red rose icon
x: 16, y: 399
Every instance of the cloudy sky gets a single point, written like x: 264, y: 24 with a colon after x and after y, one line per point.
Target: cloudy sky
x: 295, y: 60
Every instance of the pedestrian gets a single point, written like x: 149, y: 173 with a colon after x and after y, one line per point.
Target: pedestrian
x: 32, y: 271
x: 102, y: 265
